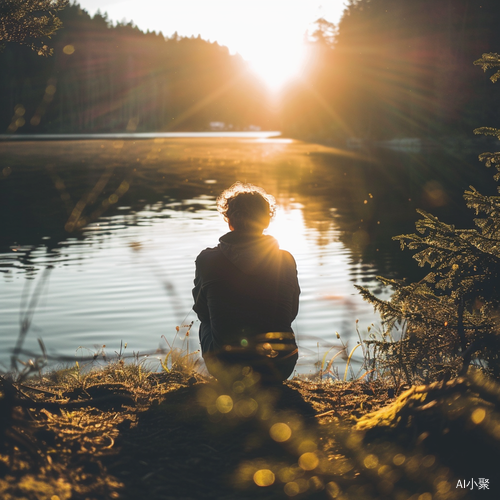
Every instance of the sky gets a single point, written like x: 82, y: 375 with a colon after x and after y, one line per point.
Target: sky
x: 267, y: 33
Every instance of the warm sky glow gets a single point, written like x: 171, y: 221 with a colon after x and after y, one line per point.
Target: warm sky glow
x: 267, y: 33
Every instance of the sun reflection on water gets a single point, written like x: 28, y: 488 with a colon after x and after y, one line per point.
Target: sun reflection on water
x: 289, y: 229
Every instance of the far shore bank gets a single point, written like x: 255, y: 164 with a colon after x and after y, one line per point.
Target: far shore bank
x: 453, y: 144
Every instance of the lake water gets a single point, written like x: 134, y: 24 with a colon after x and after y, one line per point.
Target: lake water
x: 120, y: 223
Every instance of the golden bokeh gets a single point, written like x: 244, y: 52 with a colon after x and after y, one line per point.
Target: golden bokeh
x: 425, y: 496
x: 307, y: 445
x: 264, y: 477
x: 246, y: 407
x: 478, y: 415
x: 224, y: 403
x: 428, y: 461
x: 280, y: 432
x: 316, y: 484
x: 289, y: 474
x: 384, y: 470
x: 332, y: 489
x: 238, y: 387
x: 308, y: 461
x: 443, y: 487
x: 292, y: 489
x: 370, y: 461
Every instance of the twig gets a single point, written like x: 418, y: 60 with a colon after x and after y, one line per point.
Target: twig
x: 326, y: 413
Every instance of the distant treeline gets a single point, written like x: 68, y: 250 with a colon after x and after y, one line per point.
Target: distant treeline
x: 395, y: 68
x: 390, y: 68
x: 105, y: 78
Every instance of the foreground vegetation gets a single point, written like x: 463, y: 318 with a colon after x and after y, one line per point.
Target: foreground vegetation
x: 123, y: 432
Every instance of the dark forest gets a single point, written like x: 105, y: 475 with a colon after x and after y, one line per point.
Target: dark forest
x: 105, y: 78
x: 390, y: 68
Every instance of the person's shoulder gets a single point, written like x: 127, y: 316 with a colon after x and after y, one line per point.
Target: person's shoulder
x: 207, y: 254
x: 287, y: 257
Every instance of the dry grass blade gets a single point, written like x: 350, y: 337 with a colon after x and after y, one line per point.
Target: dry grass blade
x: 27, y: 315
x: 349, y: 360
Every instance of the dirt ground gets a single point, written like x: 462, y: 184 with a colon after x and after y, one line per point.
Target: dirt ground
x: 167, y: 435
x: 115, y: 434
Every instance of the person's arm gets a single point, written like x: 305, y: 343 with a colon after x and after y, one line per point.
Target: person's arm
x: 293, y: 280
x: 296, y: 293
x: 200, y: 301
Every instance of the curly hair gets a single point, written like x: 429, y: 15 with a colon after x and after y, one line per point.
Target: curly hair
x: 246, y: 207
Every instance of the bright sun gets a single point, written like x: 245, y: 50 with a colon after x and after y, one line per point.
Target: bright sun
x: 267, y: 33
x: 276, y: 64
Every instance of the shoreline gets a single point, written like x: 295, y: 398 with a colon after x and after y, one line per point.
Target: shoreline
x: 138, y: 136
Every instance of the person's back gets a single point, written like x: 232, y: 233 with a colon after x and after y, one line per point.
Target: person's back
x: 246, y: 291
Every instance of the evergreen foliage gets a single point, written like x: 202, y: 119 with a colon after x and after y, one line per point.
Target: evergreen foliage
x: 30, y: 22
x: 490, y: 61
x: 452, y: 316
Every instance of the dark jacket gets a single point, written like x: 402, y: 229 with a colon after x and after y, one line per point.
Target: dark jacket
x: 244, y: 287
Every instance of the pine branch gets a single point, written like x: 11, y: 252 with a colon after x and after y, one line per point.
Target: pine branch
x: 489, y: 205
x: 490, y: 61
x: 491, y: 159
x: 488, y: 131
x: 384, y: 307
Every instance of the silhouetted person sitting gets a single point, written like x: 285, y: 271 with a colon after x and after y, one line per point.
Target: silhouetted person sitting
x: 246, y: 292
